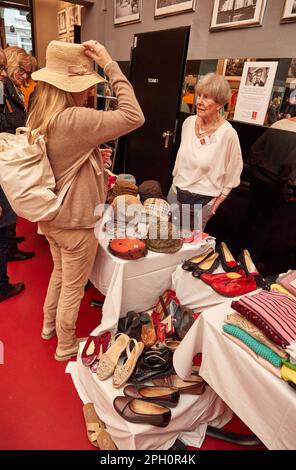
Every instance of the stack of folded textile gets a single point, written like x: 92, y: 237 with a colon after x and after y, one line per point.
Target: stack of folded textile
x: 265, y: 326
x: 286, y: 283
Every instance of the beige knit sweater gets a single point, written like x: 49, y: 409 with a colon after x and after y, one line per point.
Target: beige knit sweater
x: 76, y: 134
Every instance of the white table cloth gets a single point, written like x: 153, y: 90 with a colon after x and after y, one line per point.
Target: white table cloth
x: 136, y: 284
x: 189, y: 419
x: 265, y: 403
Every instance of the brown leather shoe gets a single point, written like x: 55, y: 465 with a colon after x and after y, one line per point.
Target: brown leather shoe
x: 142, y: 411
x: 12, y: 290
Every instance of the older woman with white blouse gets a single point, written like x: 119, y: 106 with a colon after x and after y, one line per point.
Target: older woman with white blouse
x: 209, y: 161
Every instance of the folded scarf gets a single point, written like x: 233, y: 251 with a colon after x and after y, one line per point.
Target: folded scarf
x: 288, y: 374
x: 256, y: 346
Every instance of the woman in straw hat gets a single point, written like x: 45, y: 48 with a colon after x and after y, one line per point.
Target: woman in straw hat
x: 73, y: 133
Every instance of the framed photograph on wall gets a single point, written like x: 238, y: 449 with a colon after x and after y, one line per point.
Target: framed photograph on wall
x: 62, y: 21
x: 289, y: 13
x: 74, y: 16
x: 231, y: 14
x: 127, y: 11
x: 172, y: 7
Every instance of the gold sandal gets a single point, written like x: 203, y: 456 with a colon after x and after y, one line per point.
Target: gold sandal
x: 96, y: 431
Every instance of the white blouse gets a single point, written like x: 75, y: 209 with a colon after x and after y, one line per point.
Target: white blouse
x: 210, y: 166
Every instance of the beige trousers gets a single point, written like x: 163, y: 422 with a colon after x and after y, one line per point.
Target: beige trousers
x: 73, y: 253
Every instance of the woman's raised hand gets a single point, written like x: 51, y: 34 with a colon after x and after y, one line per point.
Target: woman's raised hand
x: 97, y: 52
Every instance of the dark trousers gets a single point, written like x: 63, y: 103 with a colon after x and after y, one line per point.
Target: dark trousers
x: 11, y: 235
x: 4, y: 249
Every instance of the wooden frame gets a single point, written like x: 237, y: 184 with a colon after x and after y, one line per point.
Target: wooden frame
x: 74, y: 16
x: 127, y: 11
x: 289, y: 12
x: 172, y: 7
x: 233, y: 14
x: 62, y: 21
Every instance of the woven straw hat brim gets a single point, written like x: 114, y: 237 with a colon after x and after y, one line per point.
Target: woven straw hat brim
x: 73, y: 84
x: 170, y: 249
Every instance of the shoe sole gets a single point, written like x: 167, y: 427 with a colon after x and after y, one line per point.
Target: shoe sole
x: 48, y: 336
x: 66, y: 357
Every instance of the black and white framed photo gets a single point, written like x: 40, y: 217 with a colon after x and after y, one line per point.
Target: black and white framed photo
x: 62, y: 21
x: 231, y: 14
x: 172, y: 7
x: 74, y: 16
x: 127, y: 11
x: 289, y: 13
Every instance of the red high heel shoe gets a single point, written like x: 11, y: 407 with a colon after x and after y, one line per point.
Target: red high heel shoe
x: 93, y: 346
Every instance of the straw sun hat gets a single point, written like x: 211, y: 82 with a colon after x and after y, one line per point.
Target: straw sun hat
x: 67, y: 68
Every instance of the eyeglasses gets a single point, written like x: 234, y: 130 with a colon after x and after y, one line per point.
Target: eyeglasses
x: 23, y: 72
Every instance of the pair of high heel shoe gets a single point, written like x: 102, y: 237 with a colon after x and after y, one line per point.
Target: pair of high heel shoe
x: 207, y: 262
x: 235, y: 283
x: 147, y: 404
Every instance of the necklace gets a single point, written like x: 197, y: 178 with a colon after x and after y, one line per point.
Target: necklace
x: 202, y: 131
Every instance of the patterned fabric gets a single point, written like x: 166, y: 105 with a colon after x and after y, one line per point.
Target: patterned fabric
x: 273, y: 313
x: 238, y: 320
x: 253, y: 344
x: 163, y: 237
x: 156, y: 207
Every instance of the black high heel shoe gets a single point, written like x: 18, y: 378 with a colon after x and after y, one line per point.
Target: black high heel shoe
x: 227, y: 260
x: 248, y: 264
x: 208, y: 265
x: 192, y: 263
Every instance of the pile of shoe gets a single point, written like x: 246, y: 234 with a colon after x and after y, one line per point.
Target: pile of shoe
x: 239, y: 277
x: 146, y: 404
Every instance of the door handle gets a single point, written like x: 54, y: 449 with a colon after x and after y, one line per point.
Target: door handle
x: 166, y: 135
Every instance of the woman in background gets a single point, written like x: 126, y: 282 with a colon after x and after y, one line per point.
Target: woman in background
x: 19, y: 67
x: 7, y: 216
x: 209, y: 161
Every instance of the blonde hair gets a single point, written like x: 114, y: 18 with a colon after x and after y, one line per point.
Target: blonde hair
x: 16, y: 57
x: 48, y: 103
x: 3, y: 60
x: 216, y: 86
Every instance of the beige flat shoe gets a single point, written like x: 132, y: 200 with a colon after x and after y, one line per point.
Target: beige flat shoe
x: 96, y: 430
x: 110, y: 358
x: 123, y: 371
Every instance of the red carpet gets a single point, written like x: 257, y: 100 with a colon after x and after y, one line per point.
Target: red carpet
x: 39, y: 406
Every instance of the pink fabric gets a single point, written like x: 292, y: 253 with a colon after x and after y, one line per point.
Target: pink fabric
x: 285, y: 281
x: 274, y: 313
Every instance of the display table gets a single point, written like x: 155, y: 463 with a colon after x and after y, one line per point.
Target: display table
x: 265, y: 403
x: 136, y: 284
x: 189, y: 419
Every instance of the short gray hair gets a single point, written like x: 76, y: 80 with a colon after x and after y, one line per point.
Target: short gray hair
x: 216, y: 86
